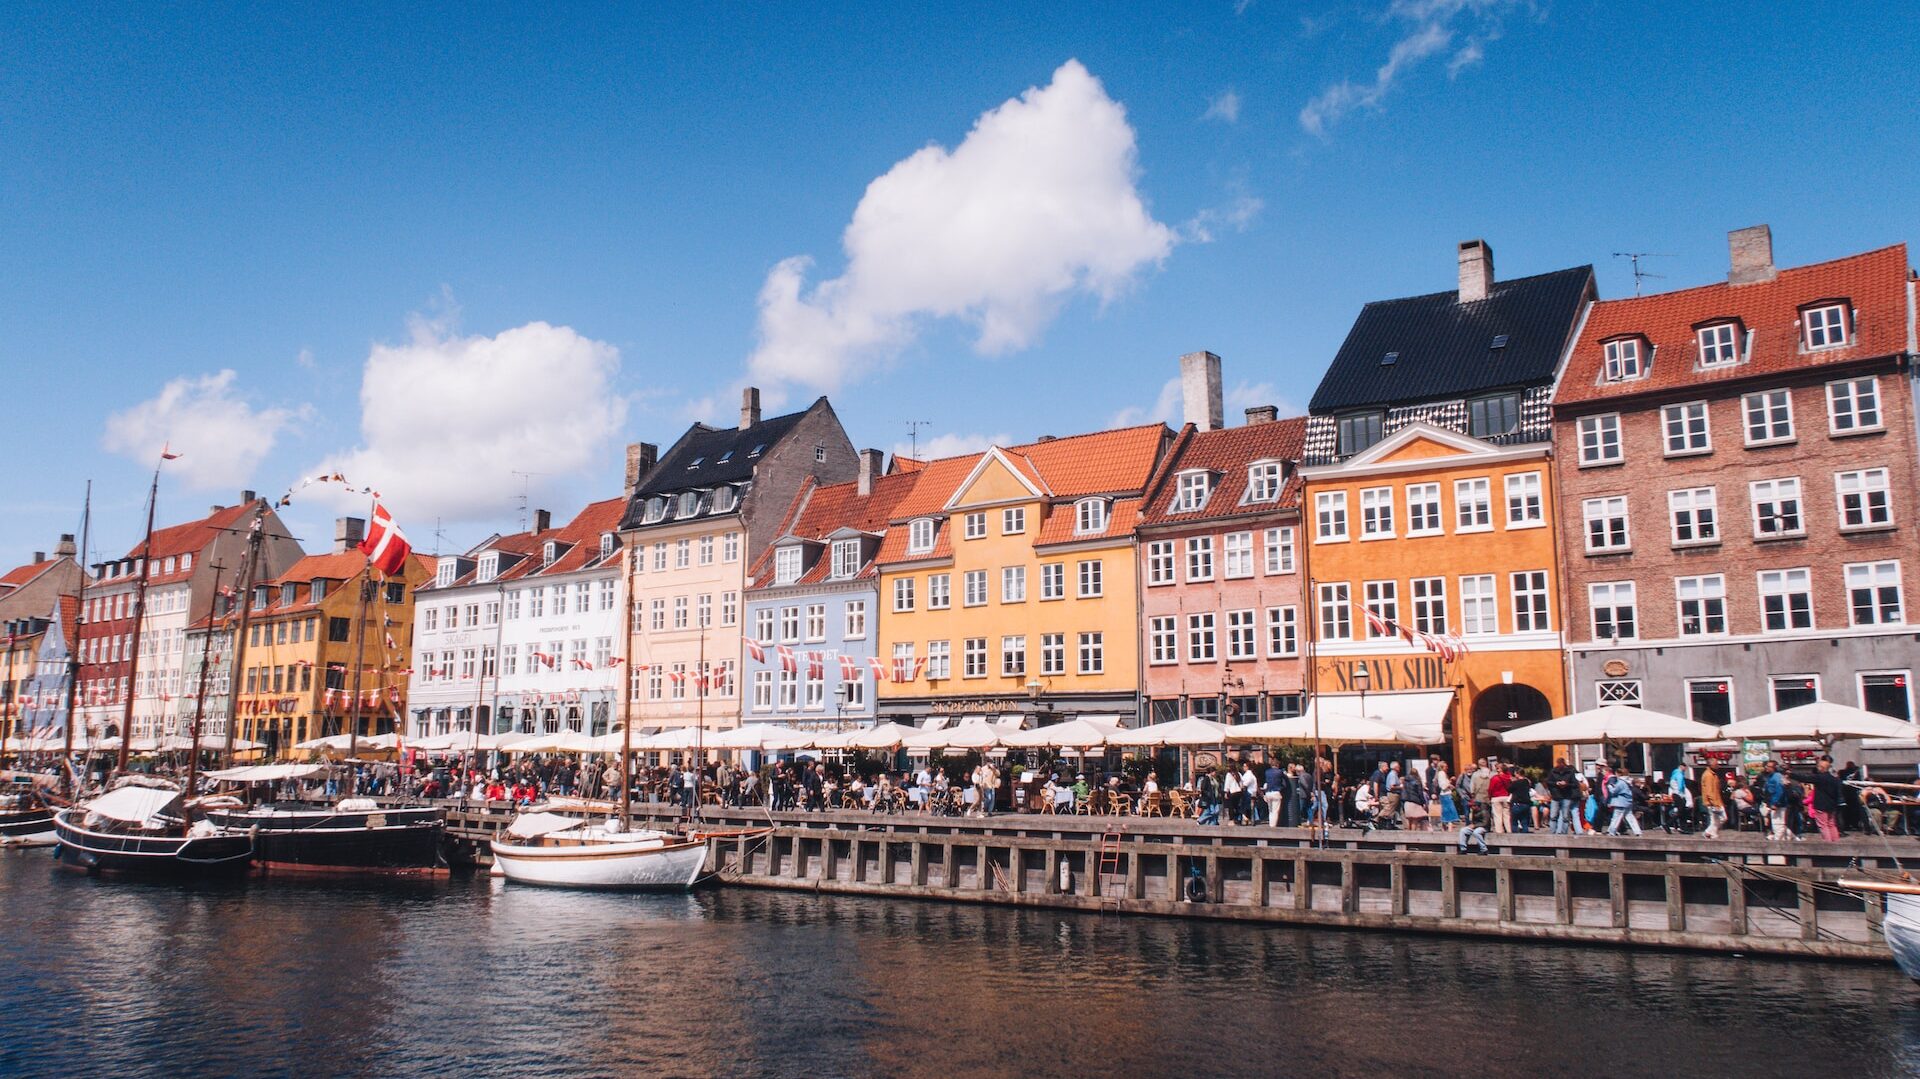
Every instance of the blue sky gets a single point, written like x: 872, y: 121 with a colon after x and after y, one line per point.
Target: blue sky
x: 535, y: 236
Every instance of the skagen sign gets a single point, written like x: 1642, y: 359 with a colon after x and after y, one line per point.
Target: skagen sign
x: 1386, y: 675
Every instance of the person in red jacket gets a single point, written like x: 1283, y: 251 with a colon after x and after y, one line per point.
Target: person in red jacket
x: 1500, y: 793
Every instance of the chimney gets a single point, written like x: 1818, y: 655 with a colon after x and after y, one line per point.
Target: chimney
x: 1476, y: 270
x: 248, y: 498
x: 870, y: 461
x: 66, y: 545
x: 641, y: 457
x: 1048, y: 438
x: 39, y: 557
x: 1752, y: 253
x: 347, y: 532
x: 749, y: 407
x: 1262, y: 414
x: 542, y: 520
x: 1200, y: 389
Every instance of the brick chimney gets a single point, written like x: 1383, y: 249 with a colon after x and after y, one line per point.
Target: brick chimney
x: 1200, y: 390
x: 39, y: 557
x: 870, y: 462
x: 1751, y: 250
x: 347, y: 533
x: 65, y: 546
x: 1262, y: 414
x: 641, y: 457
x: 1476, y: 270
x: 542, y: 520
x: 749, y: 407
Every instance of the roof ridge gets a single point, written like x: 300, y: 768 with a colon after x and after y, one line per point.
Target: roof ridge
x: 1778, y: 272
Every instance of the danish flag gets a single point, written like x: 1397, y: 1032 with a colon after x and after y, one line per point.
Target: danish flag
x: 385, y: 545
x: 757, y: 650
x: 581, y: 664
x: 787, y: 661
x: 815, y: 663
x: 879, y: 667
x: 849, y: 669
x: 1377, y: 624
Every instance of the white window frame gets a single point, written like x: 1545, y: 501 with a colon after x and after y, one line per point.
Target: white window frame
x: 973, y: 588
x: 1769, y: 404
x: 1264, y: 481
x: 1013, y: 584
x: 786, y: 564
x: 1853, y: 393
x: 1627, y: 691
x: 1236, y: 555
x: 920, y: 535
x: 1192, y: 488
x: 1532, y: 601
x: 1161, y: 562
x: 1199, y: 558
x: 1382, y: 600
x: 1163, y: 640
x: 1092, y: 574
x: 974, y: 526
x: 1708, y: 589
x: 1605, y: 510
x: 1473, y: 505
x: 1622, y: 361
x: 854, y: 620
x: 1089, y: 516
x: 1283, y: 632
x: 1376, y: 513
x: 1612, y: 597
x: 1774, y: 492
x: 1678, y: 438
x: 1426, y: 514
x: 1781, y: 583
x: 1600, y: 440
x: 1093, y: 653
x: 1243, y: 634
x: 1053, y: 580
x: 1202, y: 637
x: 1330, y: 516
x: 1333, y: 610
x: 1829, y: 323
x: 939, y: 591
x: 1526, y: 493
x: 902, y: 594
x: 1719, y: 344
x: 1279, y: 551
x: 1479, y: 605
x: 846, y: 558
x: 1873, y: 570
x: 1013, y: 520
x: 1699, y: 508
x: 1864, y: 483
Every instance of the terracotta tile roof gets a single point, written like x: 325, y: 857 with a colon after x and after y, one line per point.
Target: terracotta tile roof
x: 1103, y: 462
x: 905, y: 464
x: 1874, y: 283
x: 20, y: 575
x: 332, y: 566
x: 579, y: 540
x: 191, y: 538
x: 1121, y: 518
x: 822, y: 511
x: 1227, y: 453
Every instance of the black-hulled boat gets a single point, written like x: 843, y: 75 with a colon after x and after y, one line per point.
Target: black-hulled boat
x: 143, y: 829
x: 26, y: 820
x: 356, y: 836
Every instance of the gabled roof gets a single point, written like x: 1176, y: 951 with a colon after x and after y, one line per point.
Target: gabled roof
x: 835, y: 508
x: 332, y: 566
x: 579, y: 540
x: 1103, y: 462
x: 1380, y: 456
x: 1874, y: 283
x: 1444, y: 347
x: 1227, y: 452
x: 20, y: 576
x: 1059, y: 526
x: 706, y: 457
x: 191, y: 538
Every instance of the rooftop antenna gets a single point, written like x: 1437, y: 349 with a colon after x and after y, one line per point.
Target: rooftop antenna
x: 439, y: 536
x: 1639, y: 274
x: 913, y: 437
x: 521, y: 498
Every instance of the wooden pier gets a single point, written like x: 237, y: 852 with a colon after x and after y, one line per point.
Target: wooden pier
x: 1734, y: 893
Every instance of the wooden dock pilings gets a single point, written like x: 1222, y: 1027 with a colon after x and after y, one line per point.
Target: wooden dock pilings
x: 1732, y: 894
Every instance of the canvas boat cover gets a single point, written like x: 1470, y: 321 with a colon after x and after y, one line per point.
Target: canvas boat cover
x: 529, y: 825
x: 135, y: 805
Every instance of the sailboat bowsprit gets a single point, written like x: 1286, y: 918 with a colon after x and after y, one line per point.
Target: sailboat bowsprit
x: 140, y: 828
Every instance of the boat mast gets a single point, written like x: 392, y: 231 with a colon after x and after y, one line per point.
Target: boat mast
x: 701, y: 684
x: 73, y: 654
x: 243, y: 593
x: 13, y: 703
x: 359, y: 659
x: 626, y: 694
x: 200, y: 696
x: 139, y: 621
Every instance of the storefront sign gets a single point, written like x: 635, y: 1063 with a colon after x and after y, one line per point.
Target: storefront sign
x: 1388, y: 675
x: 1753, y: 755
x: 977, y: 705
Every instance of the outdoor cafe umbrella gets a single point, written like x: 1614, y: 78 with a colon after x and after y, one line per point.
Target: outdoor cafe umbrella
x: 1191, y: 731
x: 882, y: 736
x: 1073, y: 734
x: 1332, y: 730
x: 1612, y: 723
x: 1821, y: 720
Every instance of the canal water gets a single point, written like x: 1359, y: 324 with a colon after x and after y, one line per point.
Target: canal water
x: 472, y: 977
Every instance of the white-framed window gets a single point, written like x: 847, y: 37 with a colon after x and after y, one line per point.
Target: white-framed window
x: 786, y: 565
x: 939, y: 659
x: 1600, y: 439
x: 1283, y: 631
x: 939, y: 591
x: 1279, y: 550
x: 1615, y: 617
x: 789, y: 689
x: 1383, y: 602
x: 1685, y: 429
x: 1693, y: 512
x: 1618, y: 691
x: 1160, y: 562
x: 1530, y: 609
x: 1776, y: 508
x: 763, y: 624
x: 1853, y: 405
x: 1873, y: 593
x: 730, y: 547
x: 1864, y: 499
x: 903, y: 661
x: 1191, y: 491
x: 1423, y: 509
x: 1825, y: 326
x: 1336, y: 612
x: 1200, y: 558
x: 429, y: 618
x: 682, y: 553
x: 1013, y: 656
x: 920, y: 535
x: 537, y: 603
x: 1053, y: 580
x: 1089, y: 516
x: 1053, y: 653
x: 855, y: 617
x: 1473, y: 504
x: 975, y: 526
x: 846, y: 558
x: 706, y: 551
x: 1330, y: 516
x: 973, y: 588
x: 1887, y: 693
x: 1786, y: 599
x: 1013, y: 520
x: 816, y: 621
x: 1479, y: 605
x: 1429, y: 604
x: 729, y: 608
x: 1524, y: 506
x: 1606, y: 521
x: 1013, y: 584
x: 703, y: 610
x: 509, y: 660
x: 1376, y: 513
x: 762, y: 690
x: 1243, y: 635
x: 1163, y: 639
x: 1263, y: 481
x: 1093, y: 653
x: 790, y: 624
x: 1200, y: 638
x: 679, y: 612
x: 903, y: 594
x: 1702, y: 603
x: 973, y: 657
x: 1091, y: 584
x: 1793, y: 690
x: 1623, y: 360
x: 1719, y: 344
x: 660, y: 557
x: 1769, y: 417
x: 656, y: 614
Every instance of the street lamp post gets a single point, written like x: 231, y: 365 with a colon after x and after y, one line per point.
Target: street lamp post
x: 840, y: 707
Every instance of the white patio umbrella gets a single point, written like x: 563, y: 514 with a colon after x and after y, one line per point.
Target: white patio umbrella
x: 1333, y: 730
x: 1191, y: 731
x: 789, y: 738
x: 436, y: 743
x: 760, y: 736
x: 331, y: 741
x: 1821, y: 720
x: 1612, y: 723
x: 1073, y: 734
x: 882, y: 736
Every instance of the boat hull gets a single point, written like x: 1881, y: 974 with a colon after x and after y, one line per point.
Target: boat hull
x: 630, y: 866
x: 181, y: 856
x: 397, y: 841
x: 1901, y: 928
x: 27, y: 828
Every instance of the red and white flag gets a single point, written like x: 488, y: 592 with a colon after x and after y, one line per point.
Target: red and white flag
x: 1377, y: 625
x: 816, y: 664
x: 787, y: 661
x: 581, y: 664
x: 879, y: 668
x: 849, y: 669
x: 385, y: 545
x: 167, y: 454
x: 755, y: 649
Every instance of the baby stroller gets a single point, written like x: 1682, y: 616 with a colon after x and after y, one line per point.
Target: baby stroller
x: 1372, y: 816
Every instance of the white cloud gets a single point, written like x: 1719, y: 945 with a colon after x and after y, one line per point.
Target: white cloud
x: 1225, y: 107
x: 445, y: 419
x: 220, y: 437
x: 1164, y: 408
x: 304, y: 359
x: 1036, y: 205
x: 1427, y: 28
x: 951, y: 445
x: 1237, y: 213
x: 1242, y: 396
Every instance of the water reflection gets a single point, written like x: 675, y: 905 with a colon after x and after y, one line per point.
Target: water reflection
x: 471, y: 976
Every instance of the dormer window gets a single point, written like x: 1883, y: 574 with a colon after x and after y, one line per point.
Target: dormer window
x: 656, y: 508
x: 1357, y: 432
x: 689, y: 503
x: 1719, y: 344
x: 1263, y: 481
x: 443, y: 574
x: 920, y: 536
x: 1090, y: 515
x: 606, y: 544
x: 1190, y: 496
x: 695, y: 463
x: 786, y: 565
x: 722, y: 499
x: 846, y: 558
x: 1624, y: 360
x: 1824, y: 326
x: 167, y: 566
x: 317, y: 590
x: 548, y: 552
x: 724, y: 458
x: 288, y: 593
x: 186, y: 562
x: 758, y: 449
x: 1490, y: 417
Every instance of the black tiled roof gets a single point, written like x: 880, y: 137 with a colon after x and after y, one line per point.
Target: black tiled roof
x: 724, y: 455
x: 1445, y: 347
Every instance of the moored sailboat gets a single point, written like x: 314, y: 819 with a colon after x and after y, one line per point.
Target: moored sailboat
x: 356, y: 835
x: 145, y: 828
